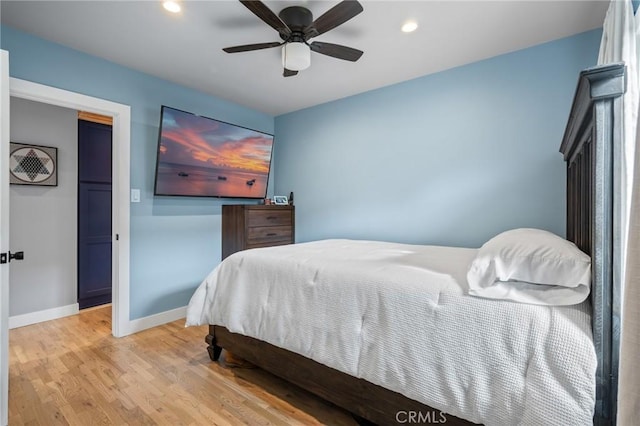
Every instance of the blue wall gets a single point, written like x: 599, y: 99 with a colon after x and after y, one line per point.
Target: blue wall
x: 175, y: 242
x: 450, y: 158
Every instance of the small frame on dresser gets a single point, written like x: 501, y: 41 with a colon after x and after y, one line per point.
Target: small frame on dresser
x: 280, y: 200
x: 33, y: 165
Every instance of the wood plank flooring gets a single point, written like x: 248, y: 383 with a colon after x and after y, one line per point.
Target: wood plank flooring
x: 71, y: 371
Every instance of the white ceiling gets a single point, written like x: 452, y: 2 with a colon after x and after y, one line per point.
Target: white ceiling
x: 187, y: 48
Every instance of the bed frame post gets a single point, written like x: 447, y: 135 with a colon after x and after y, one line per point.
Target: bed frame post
x: 592, y: 148
x: 213, y: 349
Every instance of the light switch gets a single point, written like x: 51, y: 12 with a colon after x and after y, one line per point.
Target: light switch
x: 135, y: 195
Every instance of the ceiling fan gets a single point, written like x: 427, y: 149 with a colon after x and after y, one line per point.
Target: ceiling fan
x: 296, y: 26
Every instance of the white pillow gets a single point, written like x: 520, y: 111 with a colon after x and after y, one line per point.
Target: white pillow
x: 530, y: 266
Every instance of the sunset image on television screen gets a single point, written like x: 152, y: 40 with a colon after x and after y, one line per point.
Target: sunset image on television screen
x: 199, y: 156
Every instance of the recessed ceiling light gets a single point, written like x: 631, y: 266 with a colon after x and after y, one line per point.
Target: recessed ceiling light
x: 409, y: 26
x: 172, y: 6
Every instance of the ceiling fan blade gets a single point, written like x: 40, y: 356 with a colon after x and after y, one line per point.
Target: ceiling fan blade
x: 336, y: 51
x: 265, y: 14
x: 249, y: 47
x: 337, y: 15
x: 289, y: 73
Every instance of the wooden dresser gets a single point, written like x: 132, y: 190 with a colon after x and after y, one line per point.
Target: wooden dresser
x: 252, y: 226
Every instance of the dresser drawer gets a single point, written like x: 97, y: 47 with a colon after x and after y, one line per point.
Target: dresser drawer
x: 265, y: 234
x: 253, y: 226
x: 268, y: 217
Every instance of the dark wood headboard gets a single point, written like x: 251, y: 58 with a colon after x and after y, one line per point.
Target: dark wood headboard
x: 592, y: 150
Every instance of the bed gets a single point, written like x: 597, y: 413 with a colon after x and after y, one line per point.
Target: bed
x: 536, y: 364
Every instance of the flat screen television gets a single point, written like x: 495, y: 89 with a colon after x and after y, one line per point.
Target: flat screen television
x: 202, y: 157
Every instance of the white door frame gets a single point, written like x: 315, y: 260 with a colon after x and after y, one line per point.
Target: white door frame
x: 120, y: 324
x: 4, y: 237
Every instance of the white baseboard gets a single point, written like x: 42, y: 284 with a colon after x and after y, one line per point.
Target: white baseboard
x: 134, y: 326
x: 40, y: 316
x: 156, y: 320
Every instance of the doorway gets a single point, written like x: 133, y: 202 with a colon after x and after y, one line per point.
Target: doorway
x: 120, y: 187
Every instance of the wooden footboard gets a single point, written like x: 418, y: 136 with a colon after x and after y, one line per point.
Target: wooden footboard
x: 358, y: 396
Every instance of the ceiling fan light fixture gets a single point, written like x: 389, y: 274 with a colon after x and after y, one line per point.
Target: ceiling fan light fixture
x: 172, y: 6
x: 409, y: 26
x: 296, y: 56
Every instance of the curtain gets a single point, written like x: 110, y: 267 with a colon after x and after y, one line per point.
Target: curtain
x: 629, y: 373
x: 620, y: 42
x: 629, y: 383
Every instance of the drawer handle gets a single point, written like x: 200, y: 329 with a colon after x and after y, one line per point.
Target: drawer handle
x: 271, y: 234
x: 271, y: 218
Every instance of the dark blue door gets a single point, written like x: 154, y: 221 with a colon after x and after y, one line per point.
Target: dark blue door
x: 94, y: 214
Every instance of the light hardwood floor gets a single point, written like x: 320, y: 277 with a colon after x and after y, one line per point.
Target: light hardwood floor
x: 72, y: 371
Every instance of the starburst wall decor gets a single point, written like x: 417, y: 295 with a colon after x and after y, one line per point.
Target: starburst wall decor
x: 33, y: 165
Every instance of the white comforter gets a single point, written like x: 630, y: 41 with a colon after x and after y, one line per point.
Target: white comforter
x: 399, y: 316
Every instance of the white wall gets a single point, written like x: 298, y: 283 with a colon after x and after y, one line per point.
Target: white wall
x: 43, y: 221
